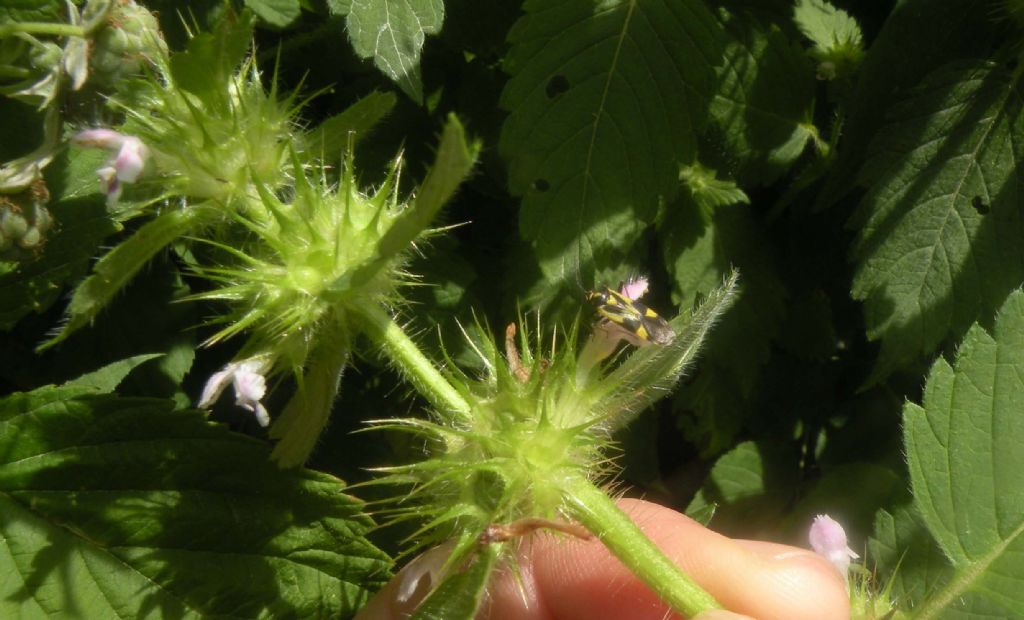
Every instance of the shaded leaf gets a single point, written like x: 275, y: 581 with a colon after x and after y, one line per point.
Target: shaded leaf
x: 329, y: 139
x: 211, y: 58
x: 104, y: 380
x: 605, y: 100
x: 916, y: 37
x: 81, y: 225
x: 902, y: 548
x: 118, y: 266
x: 731, y: 362
x: 966, y: 466
x: 929, y: 261
x: 763, y: 100
x: 121, y: 507
x: 14, y: 11
x: 277, y: 13
x: 748, y: 488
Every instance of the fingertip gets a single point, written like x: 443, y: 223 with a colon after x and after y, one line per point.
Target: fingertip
x: 570, y: 579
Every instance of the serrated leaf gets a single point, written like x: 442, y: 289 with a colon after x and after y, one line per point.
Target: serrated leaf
x: 121, y: 507
x: 731, y: 362
x: 966, y: 465
x: 826, y: 26
x: 763, y: 101
x: 605, y: 99
x: 392, y: 32
x: 708, y: 191
x: 903, y: 550
x: 941, y: 240
x: 104, y: 380
x: 917, y: 36
x: 277, y: 13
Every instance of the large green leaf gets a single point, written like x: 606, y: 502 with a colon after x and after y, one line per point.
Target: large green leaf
x: 122, y: 507
x: 941, y: 240
x: 392, y: 32
x: 605, y: 99
x: 966, y: 465
x: 917, y: 36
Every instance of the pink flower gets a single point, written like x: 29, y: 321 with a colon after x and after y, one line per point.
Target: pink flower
x: 634, y: 288
x: 828, y: 539
x: 250, y: 386
x: 125, y: 166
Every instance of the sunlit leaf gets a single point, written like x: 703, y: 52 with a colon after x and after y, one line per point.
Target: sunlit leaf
x: 966, y: 466
x: 605, y: 99
x: 122, y: 507
x: 941, y: 239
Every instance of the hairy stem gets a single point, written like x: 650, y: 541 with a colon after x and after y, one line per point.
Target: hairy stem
x: 404, y: 354
x: 60, y: 30
x: 593, y: 508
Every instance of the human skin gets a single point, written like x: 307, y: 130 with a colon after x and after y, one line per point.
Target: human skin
x: 563, y: 578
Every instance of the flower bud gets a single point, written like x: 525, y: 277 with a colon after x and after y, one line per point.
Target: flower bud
x: 130, y: 38
x: 828, y: 539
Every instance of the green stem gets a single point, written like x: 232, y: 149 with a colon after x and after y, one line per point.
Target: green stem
x: 598, y: 513
x: 404, y: 353
x: 60, y: 30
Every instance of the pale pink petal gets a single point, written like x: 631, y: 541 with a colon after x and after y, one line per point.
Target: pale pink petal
x: 634, y: 288
x: 131, y: 159
x: 249, y: 383
x: 249, y: 386
x: 828, y: 539
x: 124, y: 167
x: 215, y: 387
x: 99, y: 138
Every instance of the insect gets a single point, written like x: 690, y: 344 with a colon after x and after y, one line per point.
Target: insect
x: 637, y: 319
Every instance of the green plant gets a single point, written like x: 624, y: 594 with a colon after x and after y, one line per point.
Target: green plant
x: 325, y: 207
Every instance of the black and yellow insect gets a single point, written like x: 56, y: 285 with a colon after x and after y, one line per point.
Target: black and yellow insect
x: 632, y: 316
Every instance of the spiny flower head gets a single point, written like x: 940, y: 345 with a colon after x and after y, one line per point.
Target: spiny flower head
x: 542, y: 414
x: 308, y: 261
x: 212, y: 128
x: 316, y: 265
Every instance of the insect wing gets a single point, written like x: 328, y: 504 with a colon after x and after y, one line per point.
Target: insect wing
x: 658, y: 330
